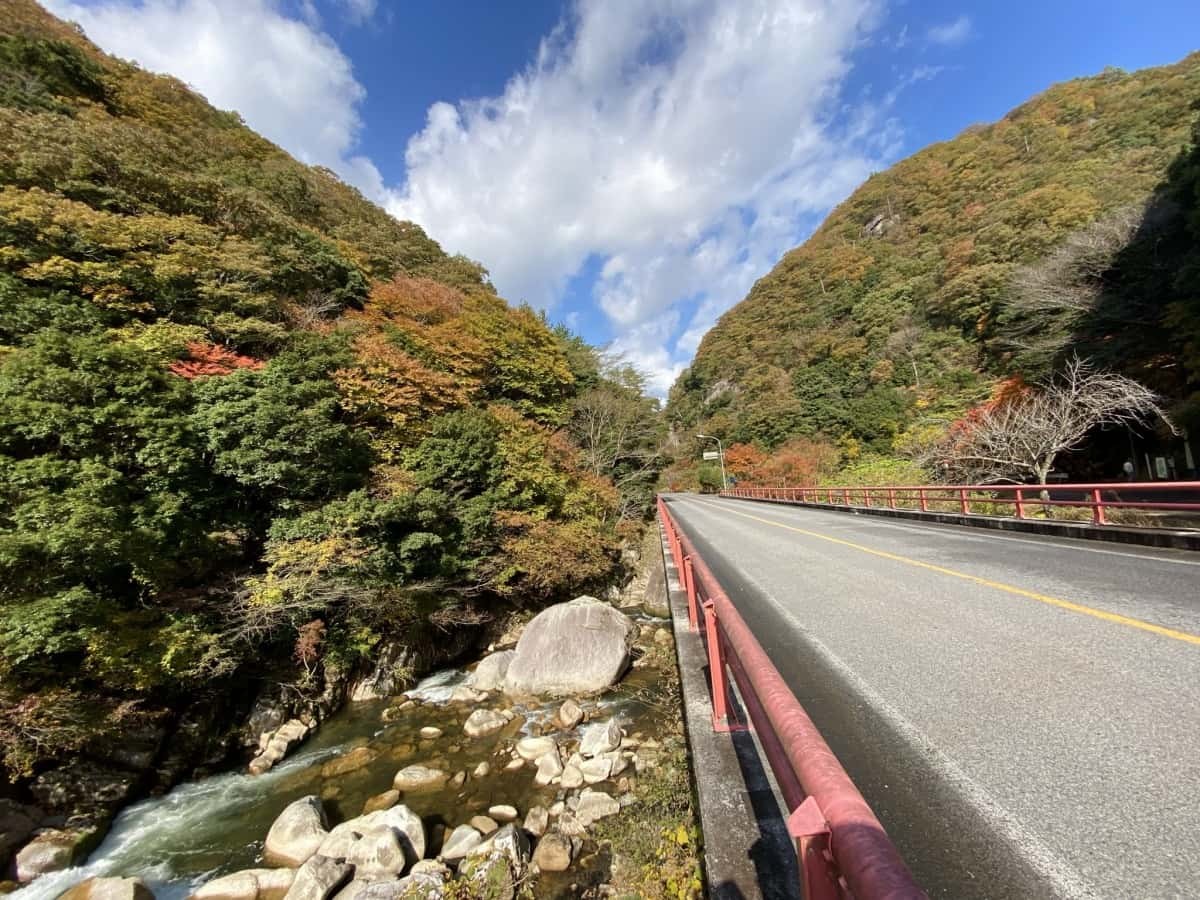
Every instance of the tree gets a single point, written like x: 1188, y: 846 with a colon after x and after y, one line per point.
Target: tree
x: 1021, y: 432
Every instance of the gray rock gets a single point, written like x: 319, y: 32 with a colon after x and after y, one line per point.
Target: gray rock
x: 483, y: 722
x: 595, y: 805
x: 430, y: 733
x: 489, y: 675
x: 109, y: 889
x: 319, y: 879
x: 460, y: 843
x: 416, y: 779
x: 379, y: 854
x: 655, y: 600
x: 571, y: 648
x: 553, y: 853
x: 50, y: 851
x: 598, y: 769
x: 537, y: 820
x: 549, y: 767
x: 600, y: 738
x: 392, y: 664
x: 337, y: 845
x: 406, y: 825
x: 484, y: 824
x: 509, y: 842
x: 296, y: 833
x: 390, y: 889
x: 572, y: 777
x: 464, y: 694
x: 570, y: 714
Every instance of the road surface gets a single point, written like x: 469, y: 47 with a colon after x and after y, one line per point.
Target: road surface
x: 1023, y: 713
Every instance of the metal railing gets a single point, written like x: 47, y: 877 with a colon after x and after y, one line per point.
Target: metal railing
x: 843, y: 850
x: 1020, y: 501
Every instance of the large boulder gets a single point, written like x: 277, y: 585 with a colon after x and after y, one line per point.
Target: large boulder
x: 108, y: 889
x: 572, y: 648
x: 489, y: 674
x: 462, y: 840
x: 51, y: 851
x: 248, y: 884
x: 296, y: 833
x: 655, y: 599
x: 553, y: 853
x: 319, y: 879
x: 379, y: 854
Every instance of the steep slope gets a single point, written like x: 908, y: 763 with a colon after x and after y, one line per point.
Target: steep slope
x: 905, y: 306
x: 249, y: 423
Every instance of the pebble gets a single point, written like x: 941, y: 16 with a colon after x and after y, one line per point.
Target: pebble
x: 430, y: 733
x: 503, y: 812
x: 482, y: 770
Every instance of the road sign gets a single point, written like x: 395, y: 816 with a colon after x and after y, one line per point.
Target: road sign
x: 711, y: 454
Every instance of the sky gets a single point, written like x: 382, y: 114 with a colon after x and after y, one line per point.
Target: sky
x: 629, y: 166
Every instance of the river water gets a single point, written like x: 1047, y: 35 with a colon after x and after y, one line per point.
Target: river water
x: 202, y: 829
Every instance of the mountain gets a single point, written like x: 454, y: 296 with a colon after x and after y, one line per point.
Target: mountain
x: 998, y: 253
x: 249, y: 422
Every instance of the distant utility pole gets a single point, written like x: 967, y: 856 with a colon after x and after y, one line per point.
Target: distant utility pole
x: 720, y: 456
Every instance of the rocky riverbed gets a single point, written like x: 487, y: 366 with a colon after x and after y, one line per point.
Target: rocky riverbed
x: 472, y: 784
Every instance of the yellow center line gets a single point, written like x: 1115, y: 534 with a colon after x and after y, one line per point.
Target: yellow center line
x: 997, y: 585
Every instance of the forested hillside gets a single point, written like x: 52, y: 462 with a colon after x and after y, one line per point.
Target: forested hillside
x: 248, y: 420
x: 1068, y: 227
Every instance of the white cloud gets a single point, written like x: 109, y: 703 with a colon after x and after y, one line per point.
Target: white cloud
x: 359, y: 11
x: 950, y: 33
x: 684, y: 142
x: 288, y: 79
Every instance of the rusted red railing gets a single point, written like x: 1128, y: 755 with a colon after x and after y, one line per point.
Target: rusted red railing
x: 1013, y: 500
x: 843, y: 850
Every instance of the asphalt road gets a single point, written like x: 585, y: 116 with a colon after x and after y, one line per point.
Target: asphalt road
x: 1023, y: 713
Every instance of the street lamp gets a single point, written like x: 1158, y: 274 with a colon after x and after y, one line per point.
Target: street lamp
x: 720, y: 456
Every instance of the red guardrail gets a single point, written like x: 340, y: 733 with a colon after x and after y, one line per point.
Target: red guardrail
x: 986, y: 499
x: 843, y: 850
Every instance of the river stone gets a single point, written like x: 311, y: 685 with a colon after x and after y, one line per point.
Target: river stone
x: 462, y: 841
x: 459, y: 779
x: 389, y: 889
x: 348, y: 762
x: 549, y: 767
x: 572, y: 777
x: 483, y: 824
x: 503, y: 812
x: 571, y: 648
x: 415, y: 779
x: 489, y: 675
x: 406, y: 825
x: 600, y: 738
x: 482, y: 770
x: 509, y: 842
x: 594, y: 770
x: 655, y: 599
x: 296, y: 833
x: 380, y: 802
x: 378, y: 855
x: 537, y: 820
x: 484, y: 722
x: 531, y: 748
x: 595, y: 805
x: 109, y: 889
x: 430, y: 733
x: 570, y: 714
x: 553, y: 853
x: 50, y: 851
x: 319, y: 879
x: 619, y: 763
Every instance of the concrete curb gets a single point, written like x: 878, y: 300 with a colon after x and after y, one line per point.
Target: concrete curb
x: 747, y: 851
x: 1115, y: 534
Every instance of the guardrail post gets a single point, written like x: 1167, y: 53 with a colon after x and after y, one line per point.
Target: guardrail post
x: 891, y: 498
x: 1098, y: 508
x: 1019, y: 503
x: 924, y: 501
x: 689, y: 584
x: 845, y: 497
x: 963, y: 503
x: 810, y: 832
x: 716, y: 669
x: 867, y: 497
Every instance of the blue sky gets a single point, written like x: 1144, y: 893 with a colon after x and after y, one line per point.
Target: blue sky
x: 631, y: 167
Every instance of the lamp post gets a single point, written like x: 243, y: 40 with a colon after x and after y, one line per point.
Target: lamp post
x: 720, y: 456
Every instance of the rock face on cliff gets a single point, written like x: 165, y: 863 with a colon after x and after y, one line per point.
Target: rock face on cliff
x: 572, y: 648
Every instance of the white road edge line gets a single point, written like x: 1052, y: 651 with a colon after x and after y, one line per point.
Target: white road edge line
x: 984, y: 536
x: 1066, y: 881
